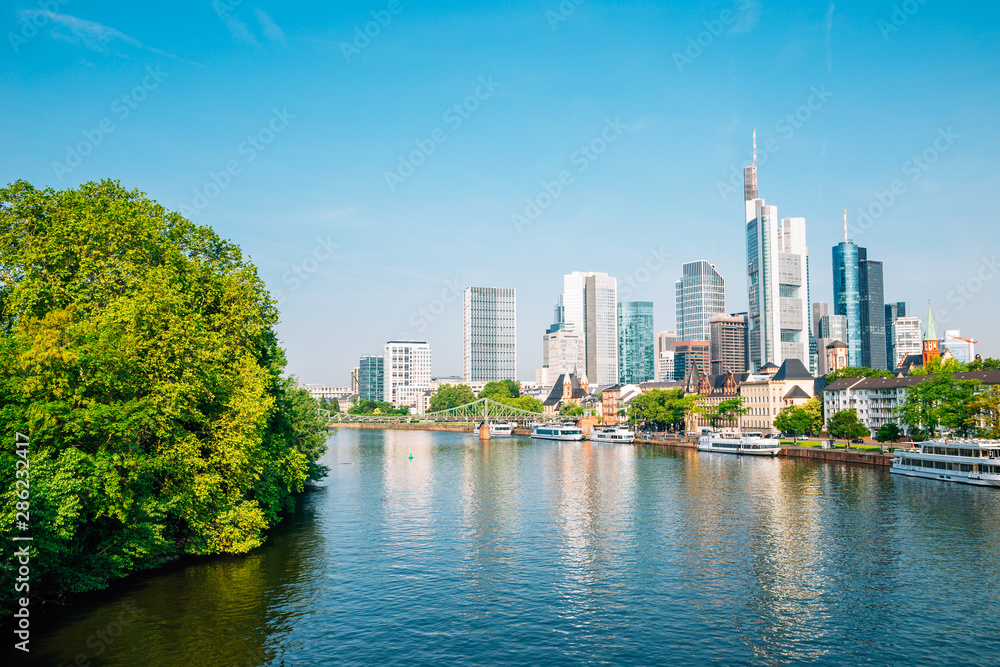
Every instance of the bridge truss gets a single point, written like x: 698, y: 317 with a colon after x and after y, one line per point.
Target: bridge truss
x: 476, y: 412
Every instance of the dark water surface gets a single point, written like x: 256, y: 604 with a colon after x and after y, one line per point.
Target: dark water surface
x: 544, y: 553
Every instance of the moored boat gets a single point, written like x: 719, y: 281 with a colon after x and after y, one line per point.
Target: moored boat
x: 501, y: 429
x: 612, y: 434
x: 557, y: 431
x: 737, y: 443
x: 963, y: 461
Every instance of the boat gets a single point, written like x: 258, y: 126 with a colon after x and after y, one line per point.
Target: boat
x: 557, y: 431
x: 612, y: 434
x: 501, y: 429
x: 963, y: 461
x: 738, y: 443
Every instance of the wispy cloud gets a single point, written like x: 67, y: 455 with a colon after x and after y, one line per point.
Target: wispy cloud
x: 730, y: 127
x: 89, y: 34
x: 829, y: 39
x: 238, y: 29
x: 271, y: 30
x: 747, y: 18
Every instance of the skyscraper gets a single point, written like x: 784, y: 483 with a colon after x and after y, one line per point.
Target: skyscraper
x: 690, y: 354
x: 407, y: 373
x: 728, y: 343
x: 700, y: 295
x: 847, y: 295
x: 490, y: 341
x: 907, y: 339
x: 563, y: 353
x: 893, y: 311
x: 858, y: 294
x: 371, y: 378
x: 777, y: 281
x: 590, y: 302
x: 829, y: 329
x: 872, y: 311
x: 665, y: 341
x: 636, y: 349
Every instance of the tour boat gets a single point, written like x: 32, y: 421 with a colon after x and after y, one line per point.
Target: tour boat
x: 737, y: 443
x: 612, y: 434
x: 501, y: 429
x: 964, y: 461
x: 557, y: 431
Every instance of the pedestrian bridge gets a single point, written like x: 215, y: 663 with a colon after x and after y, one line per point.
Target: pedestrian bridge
x: 478, y: 411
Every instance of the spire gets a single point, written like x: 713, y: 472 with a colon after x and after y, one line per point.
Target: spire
x: 845, y: 225
x: 930, y: 334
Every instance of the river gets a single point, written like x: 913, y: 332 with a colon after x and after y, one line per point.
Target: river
x: 543, y: 553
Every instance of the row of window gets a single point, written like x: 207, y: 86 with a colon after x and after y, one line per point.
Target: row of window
x: 954, y: 467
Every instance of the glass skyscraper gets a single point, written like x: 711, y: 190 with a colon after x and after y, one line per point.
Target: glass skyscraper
x: 859, y: 295
x: 490, y: 341
x: 636, y: 348
x: 371, y: 378
x: 847, y: 296
x: 700, y: 296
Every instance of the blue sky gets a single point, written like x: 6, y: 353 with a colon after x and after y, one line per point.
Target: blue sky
x: 372, y: 182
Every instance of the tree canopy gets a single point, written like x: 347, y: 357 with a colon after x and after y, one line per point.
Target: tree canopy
x: 727, y: 411
x: 846, y: 425
x: 941, y: 401
x: 661, y: 408
x: 367, y: 407
x: 857, y: 372
x: 800, y: 419
x: 497, y: 391
x: 941, y: 365
x: 451, y: 396
x: 137, y: 351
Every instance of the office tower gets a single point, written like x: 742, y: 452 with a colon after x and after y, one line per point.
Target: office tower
x: 636, y: 347
x: 355, y: 385
x: 816, y: 352
x: 490, y: 349
x: 407, y: 372
x: 893, y: 311
x: 829, y: 329
x: 819, y: 311
x: 590, y: 305
x: 906, y: 339
x: 872, y: 312
x: 963, y: 349
x: 563, y: 353
x: 728, y: 349
x: 371, y: 378
x: 847, y: 295
x: 690, y: 354
x: 665, y: 341
x: 700, y: 295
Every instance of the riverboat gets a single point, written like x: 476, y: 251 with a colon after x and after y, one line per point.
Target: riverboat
x: 738, y: 443
x: 963, y: 461
x: 557, y: 431
x: 501, y: 429
x: 612, y: 434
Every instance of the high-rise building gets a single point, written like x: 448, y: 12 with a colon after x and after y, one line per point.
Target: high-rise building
x: 564, y: 352
x: 665, y: 341
x: 777, y: 283
x: 355, y: 377
x: 829, y: 329
x: 407, y: 373
x: 907, y: 339
x: 963, y: 349
x: 689, y: 354
x: 847, y: 295
x: 490, y: 349
x: 590, y: 303
x: 636, y: 347
x: 371, y: 378
x: 872, y: 312
x: 893, y: 311
x: 816, y: 353
x: 700, y: 295
x: 728, y: 350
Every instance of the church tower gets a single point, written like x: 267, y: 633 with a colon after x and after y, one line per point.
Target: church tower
x: 931, y: 350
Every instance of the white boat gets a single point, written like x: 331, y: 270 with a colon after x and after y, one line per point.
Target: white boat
x: 557, y: 431
x: 501, y: 429
x: 737, y: 443
x: 612, y: 434
x: 964, y: 461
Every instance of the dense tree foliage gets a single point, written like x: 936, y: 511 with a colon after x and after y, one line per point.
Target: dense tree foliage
x: 889, y: 432
x: 941, y: 365
x: 800, y: 419
x: 498, y: 391
x: 451, y: 396
x: 986, y: 406
x: 662, y: 408
x: 857, y: 372
x: 570, y: 409
x: 985, y: 364
x: 941, y: 401
x: 727, y: 411
x: 846, y: 425
x: 138, y: 353
x: 367, y: 407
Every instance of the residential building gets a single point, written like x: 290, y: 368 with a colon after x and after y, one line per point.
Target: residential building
x: 590, y: 305
x: 893, y: 311
x: 616, y: 398
x: 665, y: 341
x: 963, y: 349
x: 407, y: 370
x: 636, y: 346
x: 563, y: 352
x: 907, y: 339
x: 700, y: 295
x: 371, y: 378
x: 777, y: 281
x: 690, y: 354
x: 767, y: 395
x: 728, y: 344
x: 490, y: 334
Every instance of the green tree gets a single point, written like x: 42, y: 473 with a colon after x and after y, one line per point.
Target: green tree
x: 940, y: 400
x: 857, y: 372
x: 987, y: 408
x: 726, y: 411
x: 497, y: 391
x: 570, y: 409
x: 889, y: 432
x: 939, y: 366
x: 451, y: 396
x: 799, y: 419
x: 137, y: 350
x: 958, y: 411
x: 661, y: 408
x: 529, y: 403
x: 985, y: 364
x: 368, y: 407
x: 846, y: 425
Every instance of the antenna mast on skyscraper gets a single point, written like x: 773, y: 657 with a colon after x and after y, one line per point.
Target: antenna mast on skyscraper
x: 845, y: 225
x: 754, y: 162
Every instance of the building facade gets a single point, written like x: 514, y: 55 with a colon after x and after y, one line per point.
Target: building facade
x: 907, y: 339
x: 728, y: 344
x: 700, y: 294
x: 407, y: 373
x: 371, y: 378
x: 872, y: 312
x: 636, y: 345
x: 963, y: 349
x: 590, y: 305
x: 847, y: 295
x: 893, y: 311
x: 563, y: 352
x: 665, y: 341
x: 490, y: 334
x: 691, y: 354
x: 766, y: 396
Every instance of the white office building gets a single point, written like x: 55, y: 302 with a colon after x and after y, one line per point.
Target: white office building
x: 907, y: 339
x: 590, y: 306
x: 490, y: 348
x: 564, y: 352
x: 963, y: 349
x: 408, y: 373
x: 665, y: 341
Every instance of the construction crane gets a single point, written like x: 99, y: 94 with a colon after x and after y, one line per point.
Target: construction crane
x: 969, y: 341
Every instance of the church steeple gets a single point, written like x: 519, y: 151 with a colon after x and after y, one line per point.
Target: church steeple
x: 931, y: 350
x: 929, y: 333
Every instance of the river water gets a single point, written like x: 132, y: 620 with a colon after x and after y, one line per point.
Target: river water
x: 544, y: 553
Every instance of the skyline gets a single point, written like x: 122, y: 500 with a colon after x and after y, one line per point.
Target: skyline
x: 302, y: 133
